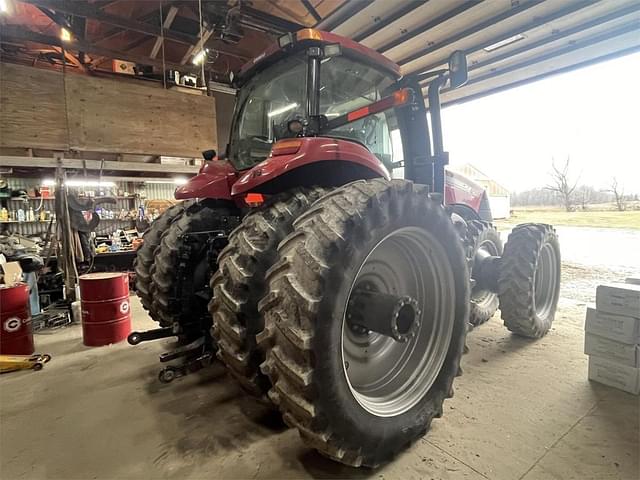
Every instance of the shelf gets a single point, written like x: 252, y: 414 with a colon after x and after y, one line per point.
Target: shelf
x: 14, y: 199
x: 117, y: 220
x: 47, y: 221
x: 20, y: 199
x: 26, y: 221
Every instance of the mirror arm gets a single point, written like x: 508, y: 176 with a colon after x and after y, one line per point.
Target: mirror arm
x: 432, y: 73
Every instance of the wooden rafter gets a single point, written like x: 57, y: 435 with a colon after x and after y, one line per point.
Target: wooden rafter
x: 89, y: 11
x: 86, y: 10
x: 166, y: 24
x: 16, y: 33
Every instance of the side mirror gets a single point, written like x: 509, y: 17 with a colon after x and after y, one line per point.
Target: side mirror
x: 209, y: 154
x: 458, y: 73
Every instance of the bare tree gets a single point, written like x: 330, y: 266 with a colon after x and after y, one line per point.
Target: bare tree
x: 618, y: 193
x: 562, y: 184
x: 585, y: 194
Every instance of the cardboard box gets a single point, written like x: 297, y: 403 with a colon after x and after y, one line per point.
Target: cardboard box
x: 615, y: 375
x: 11, y: 273
x: 608, y: 349
x: 619, y: 298
x: 615, y: 327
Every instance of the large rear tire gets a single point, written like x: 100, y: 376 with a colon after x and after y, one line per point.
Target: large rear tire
x: 354, y: 395
x: 185, y: 261
x: 529, y: 279
x: 145, y: 255
x: 239, y: 283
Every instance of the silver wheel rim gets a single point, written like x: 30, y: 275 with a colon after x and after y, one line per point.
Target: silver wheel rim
x: 480, y: 296
x: 545, y: 281
x: 387, y: 378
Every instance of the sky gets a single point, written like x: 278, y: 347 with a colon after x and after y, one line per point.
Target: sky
x: 591, y: 115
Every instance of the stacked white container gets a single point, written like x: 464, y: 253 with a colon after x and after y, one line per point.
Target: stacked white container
x: 612, y: 336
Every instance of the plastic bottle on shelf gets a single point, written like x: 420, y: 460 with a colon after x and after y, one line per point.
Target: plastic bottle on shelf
x: 115, y: 242
x: 21, y: 215
x: 43, y: 217
x: 4, y: 214
x: 31, y: 216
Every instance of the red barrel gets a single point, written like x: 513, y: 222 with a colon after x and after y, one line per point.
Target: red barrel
x: 16, y: 334
x: 106, y: 313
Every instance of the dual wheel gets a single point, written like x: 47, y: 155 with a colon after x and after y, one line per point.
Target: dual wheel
x: 174, y: 264
x: 288, y: 319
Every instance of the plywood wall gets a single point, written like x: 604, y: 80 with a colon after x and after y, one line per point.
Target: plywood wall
x: 32, y: 108
x: 45, y: 109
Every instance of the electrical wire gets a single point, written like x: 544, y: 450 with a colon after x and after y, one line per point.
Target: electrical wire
x: 164, y: 68
x: 41, y: 203
x: 204, y: 82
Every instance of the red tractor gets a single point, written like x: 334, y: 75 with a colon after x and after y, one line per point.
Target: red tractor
x: 341, y: 294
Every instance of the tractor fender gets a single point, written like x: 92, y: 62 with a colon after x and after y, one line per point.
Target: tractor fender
x: 214, y: 180
x: 462, y: 190
x: 312, y: 161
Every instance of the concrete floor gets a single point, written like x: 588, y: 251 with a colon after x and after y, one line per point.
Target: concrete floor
x: 522, y: 410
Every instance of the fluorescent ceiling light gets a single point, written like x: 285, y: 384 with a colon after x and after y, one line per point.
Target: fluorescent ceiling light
x: 199, y: 57
x: 65, y: 35
x: 48, y: 182
x: 278, y: 111
x: 176, y: 181
x: 504, y: 43
x: 88, y: 183
x: 4, y: 6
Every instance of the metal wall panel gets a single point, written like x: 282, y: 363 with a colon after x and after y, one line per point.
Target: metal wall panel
x: 142, y: 192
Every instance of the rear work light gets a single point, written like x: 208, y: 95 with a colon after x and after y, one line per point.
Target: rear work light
x: 254, y: 199
x: 285, y: 147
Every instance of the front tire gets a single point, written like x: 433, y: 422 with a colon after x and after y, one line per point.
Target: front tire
x: 482, y: 240
x: 529, y: 279
x: 391, y: 236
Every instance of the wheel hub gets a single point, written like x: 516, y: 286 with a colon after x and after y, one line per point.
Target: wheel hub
x: 398, y: 322
x: 391, y: 315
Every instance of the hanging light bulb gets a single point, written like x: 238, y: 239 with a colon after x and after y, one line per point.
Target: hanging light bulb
x: 65, y: 35
x: 4, y: 6
x: 199, y: 57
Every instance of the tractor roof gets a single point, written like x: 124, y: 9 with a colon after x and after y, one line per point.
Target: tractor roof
x: 294, y: 42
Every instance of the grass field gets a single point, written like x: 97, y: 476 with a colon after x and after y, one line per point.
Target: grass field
x: 599, y: 219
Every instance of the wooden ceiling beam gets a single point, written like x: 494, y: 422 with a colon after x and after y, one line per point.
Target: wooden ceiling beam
x: 86, y: 10
x: 113, y: 32
x: 166, y: 24
x: 197, y: 47
x: 15, y: 33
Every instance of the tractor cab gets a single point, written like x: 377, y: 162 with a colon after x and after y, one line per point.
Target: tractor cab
x: 319, y: 109
x: 297, y: 89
